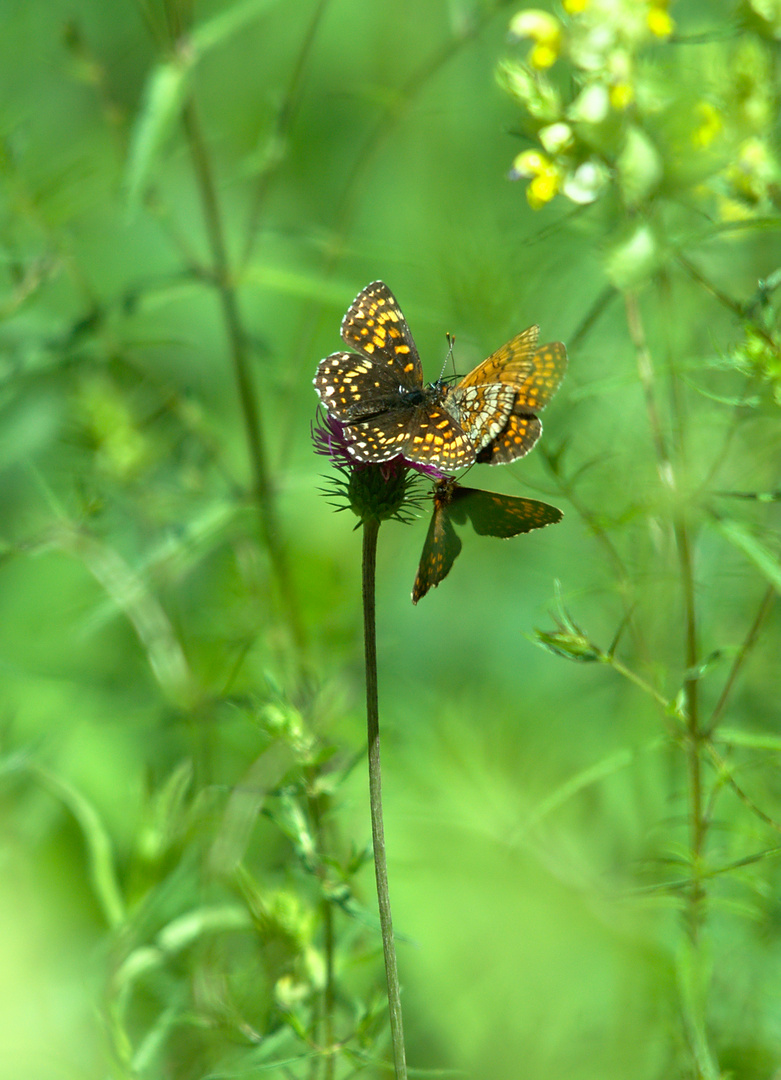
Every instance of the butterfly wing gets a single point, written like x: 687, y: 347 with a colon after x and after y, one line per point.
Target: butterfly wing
x: 537, y: 382
x: 534, y: 373
x: 495, y: 402
x: 441, y: 546
x: 515, y: 440
x: 378, y: 391
x: 353, y: 387
x: 357, y: 387
x: 492, y: 514
x: 535, y: 377
x: 511, y: 364
x: 426, y: 434
x: 376, y: 327
x: 481, y: 410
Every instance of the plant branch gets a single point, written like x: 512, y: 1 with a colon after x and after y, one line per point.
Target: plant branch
x: 371, y: 528
x: 276, y: 142
x: 697, y: 823
x: 724, y: 769
x: 237, y: 342
x: 748, y: 644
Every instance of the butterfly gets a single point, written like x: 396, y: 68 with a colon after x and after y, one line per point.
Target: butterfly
x: 490, y: 515
x: 379, y: 395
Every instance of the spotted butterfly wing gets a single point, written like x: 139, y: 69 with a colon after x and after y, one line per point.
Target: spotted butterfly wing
x: 379, y: 392
x: 375, y: 326
x: 529, y: 377
x: 511, y: 364
x: 440, y: 548
x: 357, y: 387
x: 490, y: 514
x: 519, y: 435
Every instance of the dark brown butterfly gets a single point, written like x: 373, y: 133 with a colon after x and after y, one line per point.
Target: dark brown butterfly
x: 379, y: 395
x: 490, y: 515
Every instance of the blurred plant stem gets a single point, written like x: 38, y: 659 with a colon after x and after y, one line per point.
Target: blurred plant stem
x: 694, y: 993
x: 237, y: 338
x: 178, y: 15
x: 317, y: 812
x: 275, y: 152
x: 768, y: 599
x: 371, y: 528
x: 580, y: 647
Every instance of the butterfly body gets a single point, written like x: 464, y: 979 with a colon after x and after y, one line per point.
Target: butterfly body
x: 379, y: 395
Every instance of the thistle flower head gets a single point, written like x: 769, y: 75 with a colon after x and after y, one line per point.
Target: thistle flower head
x: 371, y: 490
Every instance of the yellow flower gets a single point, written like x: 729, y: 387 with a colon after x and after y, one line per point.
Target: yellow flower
x: 543, y: 56
x: 621, y: 95
x: 545, y: 177
x: 659, y: 20
x: 542, y: 188
x: 528, y: 163
x: 576, y: 7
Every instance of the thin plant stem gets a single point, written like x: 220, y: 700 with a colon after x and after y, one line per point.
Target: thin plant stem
x: 327, y: 1002
x: 693, y: 983
x: 371, y: 528
x: 719, y: 762
x: 691, y: 686
x: 278, y: 137
x: 748, y: 644
x: 237, y: 341
x: 178, y: 14
x: 638, y: 680
x: 646, y: 372
x: 725, y: 771
x: 329, y: 997
x: 684, y: 553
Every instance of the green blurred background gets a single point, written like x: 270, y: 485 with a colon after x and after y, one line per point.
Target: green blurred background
x: 160, y: 911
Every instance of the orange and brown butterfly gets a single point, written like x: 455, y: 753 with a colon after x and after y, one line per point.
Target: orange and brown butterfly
x: 378, y: 393
x: 532, y: 373
x: 490, y: 514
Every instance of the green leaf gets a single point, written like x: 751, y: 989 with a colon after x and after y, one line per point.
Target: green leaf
x: 762, y: 557
x: 218, y: 29
x: 98, y: 841
x: 166, y: 92
x: 167, y: 89
x: 633, y: 259
x: 753, y: 740
x: 640, y: 167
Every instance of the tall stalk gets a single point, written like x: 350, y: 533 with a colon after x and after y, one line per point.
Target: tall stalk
x: 237, y: 339
x: 178, y: 14
x: 692, y: 989
x: 371, y: 528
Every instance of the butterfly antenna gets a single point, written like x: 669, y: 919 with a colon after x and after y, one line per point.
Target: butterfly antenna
x: 451, y: 340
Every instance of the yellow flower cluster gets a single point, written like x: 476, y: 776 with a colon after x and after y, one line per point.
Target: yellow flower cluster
x: 602, y: 40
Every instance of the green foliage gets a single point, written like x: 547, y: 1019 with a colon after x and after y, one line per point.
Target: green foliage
x: 583, y: 856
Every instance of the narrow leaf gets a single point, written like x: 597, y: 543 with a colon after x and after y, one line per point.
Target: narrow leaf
x: 165, y: 93
x: 218, y: 29
x: 96, y: 837
x: 762, y: 557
